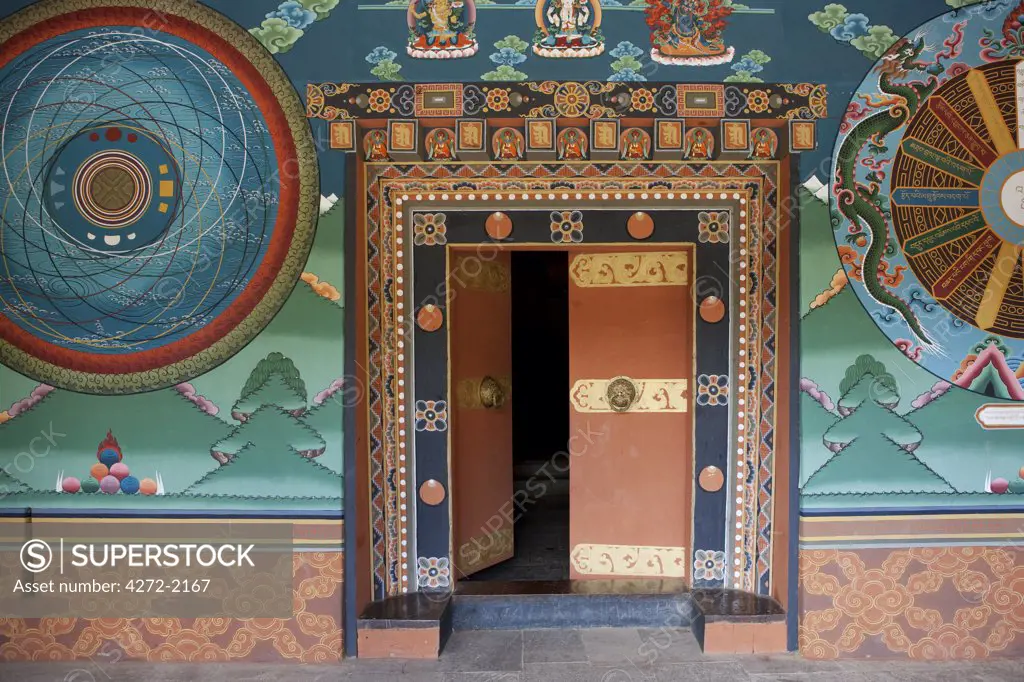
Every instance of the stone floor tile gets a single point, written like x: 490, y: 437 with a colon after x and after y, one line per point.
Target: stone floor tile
x: 612, y: 645
x: 553, y: 646
x: 662, y: 646
x: 725, y: 671
x: 483, y: 651
x: 784, y: 664
x: 586, y: 672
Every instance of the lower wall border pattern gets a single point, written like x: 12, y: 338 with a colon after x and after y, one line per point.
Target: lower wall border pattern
x: 312, y: 635
x: 925, y: 603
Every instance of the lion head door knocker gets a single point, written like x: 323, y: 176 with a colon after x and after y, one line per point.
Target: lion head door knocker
x: 621, y: 394
x: 492, y: 395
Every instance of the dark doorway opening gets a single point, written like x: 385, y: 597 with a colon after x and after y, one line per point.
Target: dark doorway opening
x: 540, y: 419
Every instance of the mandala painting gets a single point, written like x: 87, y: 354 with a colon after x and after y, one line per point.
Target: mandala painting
x: 928, y: 204
x: 158, y: 193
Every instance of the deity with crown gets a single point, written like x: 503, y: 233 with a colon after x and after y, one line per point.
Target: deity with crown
x: 441, y: 29
x: 568, y: 28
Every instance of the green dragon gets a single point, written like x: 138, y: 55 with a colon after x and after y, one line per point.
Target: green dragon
x: 862, y: 204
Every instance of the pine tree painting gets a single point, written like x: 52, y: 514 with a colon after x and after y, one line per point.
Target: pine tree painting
x: 874, y: 445
x: 274, y: 381
x: 272, y: 454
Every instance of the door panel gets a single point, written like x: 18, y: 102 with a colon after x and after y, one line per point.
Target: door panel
x: 480, y: 323
x: 630, y: 317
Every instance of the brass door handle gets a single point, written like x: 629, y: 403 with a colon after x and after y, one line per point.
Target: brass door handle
x: 621, y: 394
x: 492, y: 395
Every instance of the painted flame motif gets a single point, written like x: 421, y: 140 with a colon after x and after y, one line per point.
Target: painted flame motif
x: 109, y: 442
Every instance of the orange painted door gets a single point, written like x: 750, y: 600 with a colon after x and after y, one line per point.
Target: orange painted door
x: 480, y: 322
x: 631, y: 332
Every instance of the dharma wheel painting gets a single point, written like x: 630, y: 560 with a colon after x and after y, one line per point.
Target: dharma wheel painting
x: 928, y: 202
x: 158, y: 197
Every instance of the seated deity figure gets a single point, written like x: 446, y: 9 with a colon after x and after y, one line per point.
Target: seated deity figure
x: 568, y: 28
x: 441, y: 29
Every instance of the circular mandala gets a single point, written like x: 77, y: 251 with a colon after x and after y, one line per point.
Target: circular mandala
x: 159, y: 194
x: 928, y: 196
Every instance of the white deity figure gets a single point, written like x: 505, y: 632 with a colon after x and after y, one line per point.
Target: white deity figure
x: 569, y: 16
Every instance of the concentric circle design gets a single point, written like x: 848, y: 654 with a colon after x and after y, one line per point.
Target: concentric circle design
x: 159, y: 192
x: 112, y: 189
x: 928, y: 195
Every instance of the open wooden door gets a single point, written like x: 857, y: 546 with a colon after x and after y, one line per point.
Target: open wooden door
x: 631, y: 336
x: 480, y: 323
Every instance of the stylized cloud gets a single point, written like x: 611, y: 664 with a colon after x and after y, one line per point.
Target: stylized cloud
x: 203, y: 403
x: 811, y: 389
x: 323, y: 395
x: 939, y: 389
x: 838, y: 283
x: 26, y: 404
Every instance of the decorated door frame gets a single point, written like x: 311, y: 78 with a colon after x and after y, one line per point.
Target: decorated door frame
x: 400, y: 538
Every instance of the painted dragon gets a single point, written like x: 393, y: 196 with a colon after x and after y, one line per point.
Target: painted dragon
x: 861, y: 203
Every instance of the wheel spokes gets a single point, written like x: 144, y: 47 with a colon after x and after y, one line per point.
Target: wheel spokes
x: 944, y: 234
x: 940, y: 160
x: 987, y: 242
x: 990, y: 114
x: 1019, y: 91
x: 958, y: 127
x: 998, y: 281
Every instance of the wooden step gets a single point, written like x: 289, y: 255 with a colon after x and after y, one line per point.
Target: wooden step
x: 413, y: 625
x: 735, y: 622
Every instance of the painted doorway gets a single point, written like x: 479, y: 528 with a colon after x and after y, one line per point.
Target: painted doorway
x: 572, y: 429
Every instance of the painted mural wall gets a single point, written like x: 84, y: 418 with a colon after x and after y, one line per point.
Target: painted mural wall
x: 912, y: 356
x: 172, y: 308
x: 885, y: 429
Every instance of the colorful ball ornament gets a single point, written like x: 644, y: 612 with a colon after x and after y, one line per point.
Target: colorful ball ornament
x: 119, y: 470
x: 129, y: 485
x: 110, y: 485
x: 71, y: 485
x: 90, y: 485
x: 1000, y: 486
x: 147, y: 486
x: 98, y: 471
x: 109, y: 457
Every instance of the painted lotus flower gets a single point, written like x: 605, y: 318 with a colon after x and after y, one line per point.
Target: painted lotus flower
x: 433, y: 572
x: 428, y: 229
x: 708, y: 565
x: 431, y: 415
x: 713, y: 227
x: 712, y: 389
x: 566, y: 227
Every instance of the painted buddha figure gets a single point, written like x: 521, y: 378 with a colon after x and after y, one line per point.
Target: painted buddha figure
x: 699, y: 144
x: 636, y: 145
x: 441, y: 28
x: 568, y: 28
x: 765, y: 144
x: 508, y: 145
x: 570, y: 145
x: 376, y: 146
x: 439, y: 145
